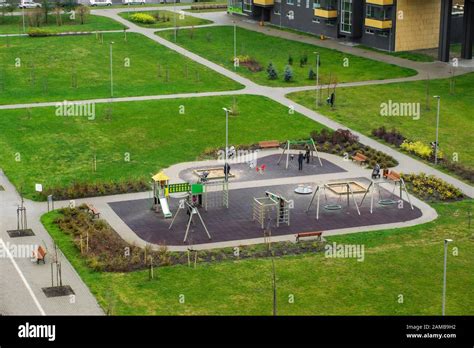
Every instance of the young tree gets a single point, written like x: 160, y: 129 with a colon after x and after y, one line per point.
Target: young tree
x: 288, y: 76
x: 57, y: 12
x: 46, y: 8
x: 271, y: 72
x: 34, y: 17
x: 290, y: 60
x: 82, y: 11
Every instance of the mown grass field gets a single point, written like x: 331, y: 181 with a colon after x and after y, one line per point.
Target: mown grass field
x: 359, y: 109
x: 77, y: 67
x: 14, y: 24
x: 154, y: 133
x: 217, y: 45
x: 182, y: 20
x: 406, y: 262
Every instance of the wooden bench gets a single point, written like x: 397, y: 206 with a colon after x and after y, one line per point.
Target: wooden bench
x: 393, y: 175
x: 359, y: 158
x: 40, y: 255
x: 269, y: 144
x: 309, y: 234
x: 93, y: 210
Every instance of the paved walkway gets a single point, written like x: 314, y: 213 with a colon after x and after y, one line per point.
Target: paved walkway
x: 21, y: 281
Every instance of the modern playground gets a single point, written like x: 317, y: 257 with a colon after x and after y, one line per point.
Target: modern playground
x: 267, y: 195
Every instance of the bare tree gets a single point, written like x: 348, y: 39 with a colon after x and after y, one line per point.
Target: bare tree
x: 34, y: 17
x: 83, y: 12
x: 57, y: 12
x: 46, y: 8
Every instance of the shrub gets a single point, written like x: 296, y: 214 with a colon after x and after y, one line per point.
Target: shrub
x: 420, y: 149
x: 430, y: 188
x: 290, y: 60
x: 393, y: 137
x: 38, y: 32
x: 84, y: 189
x: 271, y: 72
x: 288, y: 76
x: 142, y: 18
x: 459, y: 169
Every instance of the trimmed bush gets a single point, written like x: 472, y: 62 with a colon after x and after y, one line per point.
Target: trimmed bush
x: 420, y: 149
x: 38, y: 32
x: 142, y: 18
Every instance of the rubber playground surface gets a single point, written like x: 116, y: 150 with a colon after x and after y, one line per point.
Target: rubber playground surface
x: 235, y: 223
x: 242, y: 171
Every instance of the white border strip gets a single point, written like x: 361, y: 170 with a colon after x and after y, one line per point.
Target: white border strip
x: 28, y: 287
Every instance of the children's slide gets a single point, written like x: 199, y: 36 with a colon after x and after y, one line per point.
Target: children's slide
x: 165, y: 208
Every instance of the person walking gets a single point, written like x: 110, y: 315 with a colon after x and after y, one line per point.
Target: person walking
x: 300, y: 161
x: 308, y: 154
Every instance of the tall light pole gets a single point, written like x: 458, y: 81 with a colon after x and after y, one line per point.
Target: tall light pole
x: 226, y: 143
x: 174, y: 11
x: 317, y: 78
x: 23, y: 16
x: 111, y: 72
x: 235, y: 45
x: 446, y: 242
x: 437, y: 129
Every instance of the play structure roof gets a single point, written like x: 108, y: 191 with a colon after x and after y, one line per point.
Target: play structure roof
x: 160, y: 177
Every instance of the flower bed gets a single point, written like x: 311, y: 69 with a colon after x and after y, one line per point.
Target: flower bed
x: 107, y: 251
x: 430, y: 188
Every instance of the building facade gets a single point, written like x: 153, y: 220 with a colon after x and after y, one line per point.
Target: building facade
x: 391, y: 25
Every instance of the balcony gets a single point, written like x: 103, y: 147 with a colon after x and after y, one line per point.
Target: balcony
x: 379, y: 2
x: 263, y: 3
x: 378, y: 23
x: 325, y: 13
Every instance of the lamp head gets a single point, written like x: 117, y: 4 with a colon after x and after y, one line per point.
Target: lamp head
x: 448, y: 241
x: 436, y: 96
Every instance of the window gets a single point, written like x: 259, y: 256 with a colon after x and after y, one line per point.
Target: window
x: 298, y: 3
x: 316, y: 20
x: 383, y: 33
x: 290, y: 2
x: 276, y: 11
x: 370, y: 31
x: 325, y: 4
x: 346, y: 16
x: 247, y: 5
x: 379, y: 13
x: 307, y: 3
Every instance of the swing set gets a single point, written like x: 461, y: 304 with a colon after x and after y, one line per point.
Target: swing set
x: 309, y: 142
x: 344, y: 190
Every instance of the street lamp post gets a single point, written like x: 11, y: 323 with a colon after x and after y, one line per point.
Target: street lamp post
x: 446, y: 242
x: 437, y: 129
x: 317, y: 78
x: 235, y: 45
x: 111, y: 73
x: 174, y: 11
x: 23, y: 17
x: 226, y: 143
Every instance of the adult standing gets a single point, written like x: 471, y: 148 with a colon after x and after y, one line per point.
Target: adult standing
x: 300, y: 161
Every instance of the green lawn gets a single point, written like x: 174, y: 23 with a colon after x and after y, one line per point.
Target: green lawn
x: 359, y: 109
x: 154, y: 133
x: 49, y: 67
x: 410, y: 55
x: 216, y: 44
x: 406, y: 262
x: 14, y: 24
x: 182, y: 20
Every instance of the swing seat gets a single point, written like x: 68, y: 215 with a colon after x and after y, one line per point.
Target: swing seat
x: 332, y: 206
x: 387, y: 202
